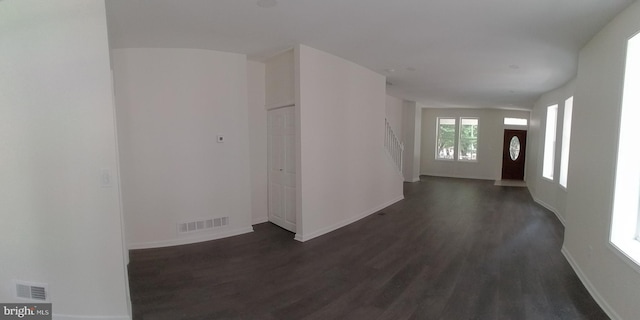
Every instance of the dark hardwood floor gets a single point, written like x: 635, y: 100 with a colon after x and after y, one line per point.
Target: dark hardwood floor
x: 453, y: 249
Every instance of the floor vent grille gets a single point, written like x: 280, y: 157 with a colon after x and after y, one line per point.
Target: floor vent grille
x: 31, y: 291
x: 202, y: 225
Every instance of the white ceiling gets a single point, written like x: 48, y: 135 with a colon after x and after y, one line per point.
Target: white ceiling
x: 445, y: 53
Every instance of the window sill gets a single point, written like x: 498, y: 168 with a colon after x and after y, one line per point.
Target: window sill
x: 629, y: 251
x: 448, y: 160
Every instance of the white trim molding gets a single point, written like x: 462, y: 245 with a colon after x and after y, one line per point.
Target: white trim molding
x: 315, y: 234
x: 550, y: 208
x: 439, y: 175
x: 280, y: 104
x: 259, y: 220
x: 190, y: 240
x: 587, y: 284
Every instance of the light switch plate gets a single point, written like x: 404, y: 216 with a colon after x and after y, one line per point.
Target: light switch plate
x: 106, y: 179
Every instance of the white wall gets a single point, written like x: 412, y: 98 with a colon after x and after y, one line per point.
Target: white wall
x: 257, y: 140
x: 596, y: 115
x: 57, y: 127
x: 393, y: 113
x: 490, y: 139
x: 412, y: 137
x: 547, y: 192
x: 171, y: 104
x: 280, y: 80
x: 345, y: 173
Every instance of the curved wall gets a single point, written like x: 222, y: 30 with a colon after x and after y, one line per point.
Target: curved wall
x: 611, y: 278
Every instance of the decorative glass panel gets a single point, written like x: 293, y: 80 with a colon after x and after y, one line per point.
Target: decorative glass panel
x: 514, y: 148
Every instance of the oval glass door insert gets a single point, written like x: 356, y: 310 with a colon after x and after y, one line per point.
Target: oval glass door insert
x: 514, y: 148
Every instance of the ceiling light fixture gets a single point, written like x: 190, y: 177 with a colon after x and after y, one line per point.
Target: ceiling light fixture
x: 267, y: 3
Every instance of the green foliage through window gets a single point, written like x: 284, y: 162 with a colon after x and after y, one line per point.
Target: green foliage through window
x: 452, y: 139
x: 446, y: 138
x: 468, y: 144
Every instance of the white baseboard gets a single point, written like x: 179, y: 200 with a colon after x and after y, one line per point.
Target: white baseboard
x: 181, y: 241
x: 587, y: 284
x: 259, y: 220
x: 280, y: 104
x: 317, y: 233
x: 456, y: 176
x: 70, y: 317
x: 414, y: 179
x: 550, y: 208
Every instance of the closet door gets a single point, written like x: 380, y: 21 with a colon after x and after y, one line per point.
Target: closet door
x: 282, y: 167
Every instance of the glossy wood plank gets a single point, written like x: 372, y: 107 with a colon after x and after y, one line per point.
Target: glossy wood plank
x: 453, y: 249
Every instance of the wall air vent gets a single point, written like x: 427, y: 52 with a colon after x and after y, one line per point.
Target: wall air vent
x: 31, y: 291
x: 202, y: 225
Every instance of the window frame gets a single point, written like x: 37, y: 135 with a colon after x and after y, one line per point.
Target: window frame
x: 459, y: 136
x: 624, y: 235
x: 454, y: 153
x: 510, y: 121
x: 550, y: 141
x: 567, y: 117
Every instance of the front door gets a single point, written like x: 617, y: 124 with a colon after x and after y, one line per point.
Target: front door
x: 282, y: 167
x: 513, y: 154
